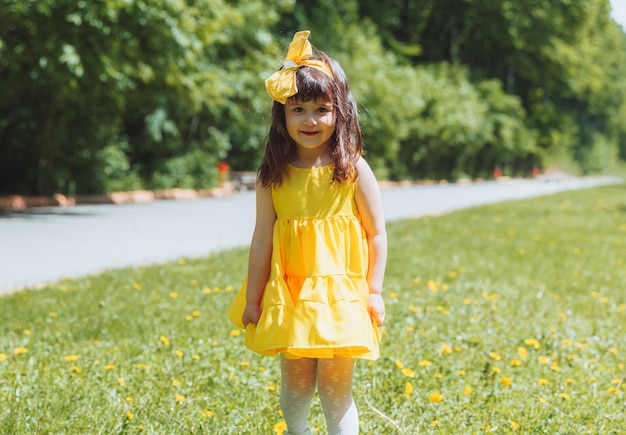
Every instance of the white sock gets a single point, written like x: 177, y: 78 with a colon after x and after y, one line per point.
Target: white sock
x: 335, y: 391
x: 298, y: 379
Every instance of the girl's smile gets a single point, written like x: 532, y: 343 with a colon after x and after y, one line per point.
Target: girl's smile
x: 310, y: 124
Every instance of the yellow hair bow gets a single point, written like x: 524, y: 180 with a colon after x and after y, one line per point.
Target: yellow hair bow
x: 282, y: 84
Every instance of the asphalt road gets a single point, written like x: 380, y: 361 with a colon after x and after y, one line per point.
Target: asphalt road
x: 45, y: 244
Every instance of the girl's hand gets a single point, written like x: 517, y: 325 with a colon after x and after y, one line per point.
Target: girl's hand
x: 377, y: 308
x: 251, y: 314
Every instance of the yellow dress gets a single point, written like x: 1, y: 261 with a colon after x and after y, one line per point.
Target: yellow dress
x: 316, y: 297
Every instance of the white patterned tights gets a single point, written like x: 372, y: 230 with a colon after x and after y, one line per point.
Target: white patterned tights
x: 333, y: 378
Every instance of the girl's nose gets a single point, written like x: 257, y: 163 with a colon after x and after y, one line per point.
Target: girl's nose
x: 309, y: 119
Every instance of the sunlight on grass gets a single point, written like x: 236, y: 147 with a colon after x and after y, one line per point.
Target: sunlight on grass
x: 507, y: 318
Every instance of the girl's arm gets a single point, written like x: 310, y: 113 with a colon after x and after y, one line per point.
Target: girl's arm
x: 370, y: 205
x: 260, y: 254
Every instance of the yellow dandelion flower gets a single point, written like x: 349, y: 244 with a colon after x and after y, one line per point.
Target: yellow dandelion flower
x: 137, y: 286
x: 408, y: 373
x: 554, y: 367
x: 613, y: 350
x: 63, y: 288
x: 182, y: 261
x: 435, y: 397
x: 207, y: 413
x: 179, y: 352
x: 564, y: 396
x: 70, y: 358
x: 399, y: 364
x: 563, y: 316
x: 271, y: 387
x: 129, y: 400
x: 216, y: 289
x: 235, y: 332
x: 140, y: 428
x: 532, y: 342
x: 616, y: 381
x: 195, y: 357
x: 3, y: 357
x: 393, y: 295
x: 507, y: 382
x: 467, y: 301
x: 516, y: 363
x: 408, y: 389
x: 613, y: 390
x: 27, y: 332
x: 280, y: 428
x: 522, y: 352
x: 416, y: 281
x: 229, y: 288
x: 173, y: 295
x: 445, y: 349
x: 496, y: 370
x: 53, y: 314
x: 193, y: 282
x: 195, y: 313
x: 424, y: 363
x: 129, y: 415
x: 120, y: 382
x: 189, y: 318
x: 143, y: 366
x: 593, y: 380
x: 109, y: 366
x: 467, y: 390
x: 164, y: 340
x: 542, y: 400
x: 543, y: 359
x: 570, y: 380
x: 76, y: 369
x: 206, y: 291
x: 244, y: 363
x: 179, y: 398
x: 461, y: 372
x: 438, y: 375
x: 514, y: 425
x: 543, y: 381
x: 20, y: 351
x: 495, y: 356
x: 175, y: 382
x: 435, y: 423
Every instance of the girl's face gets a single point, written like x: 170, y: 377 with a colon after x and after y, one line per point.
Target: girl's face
x: 310, y: 124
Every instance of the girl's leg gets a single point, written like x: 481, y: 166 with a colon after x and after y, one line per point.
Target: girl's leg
x: 298, y: 379
x: 335, y: 391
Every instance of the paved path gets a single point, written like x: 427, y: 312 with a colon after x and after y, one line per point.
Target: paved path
x: 44, y: 245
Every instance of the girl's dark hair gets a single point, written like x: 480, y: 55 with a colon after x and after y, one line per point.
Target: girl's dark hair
x: 346, y: 144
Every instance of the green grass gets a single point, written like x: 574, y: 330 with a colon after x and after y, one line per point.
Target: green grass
x: 514, y: 313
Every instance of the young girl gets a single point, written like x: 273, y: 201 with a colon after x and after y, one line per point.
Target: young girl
x: 319, y: 248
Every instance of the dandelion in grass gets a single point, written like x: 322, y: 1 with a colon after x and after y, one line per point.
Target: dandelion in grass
x: 570, y: 381
x: 543, y: 381
x: 129, y: 415
x: 206, y: 291
x: 195, y: 313
x: 143, y: 366
x: 208, y: 413
x: 175, y: 382
x: 63, y: 288
x: 164, y: 340
x: 613, y: 351
x: 542, y: 400
x: 543, y: 360
x: 408, y: 390
x: 271, y: 387
x: 3, y: 357
x: 564, y: 396
x: 496, y: 369
x: 495, y: 356
x: 137, y: 286
x: 408, y: 373
x: 189, y: 318
x: 76, y: 369
x: 424, y: 363
x: 182, y: 261
x: 532, y: 342
x: 435, y: 397
x: 129, y: 400
x: 179, y: 398
x: 280, y: 428
x: 120, y: 382
x: 195, y: 357
x: 467, y: 390
x: 235, y: 332
x: 435, y: 423
x: 70, y: 358
x: 593, y: 380
x: 179, y: 352
x: 445, y: 349
x: 20, y: 351
x: 516, y: 363
x: 554, y: 367
x: 514, y: 425
x: 173, y: 295
x: 507, y: 382
x: 109, y: 366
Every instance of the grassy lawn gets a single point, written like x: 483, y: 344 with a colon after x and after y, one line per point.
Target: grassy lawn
x: 508, y: 318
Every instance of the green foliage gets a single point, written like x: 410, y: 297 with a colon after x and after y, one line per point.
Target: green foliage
x: 514, y: 313
x: 447, y: 88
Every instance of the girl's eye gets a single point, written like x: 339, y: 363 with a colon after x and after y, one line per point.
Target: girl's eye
x: 298, y: 109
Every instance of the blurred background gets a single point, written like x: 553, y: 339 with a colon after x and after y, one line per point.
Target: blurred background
x: 117, y: 95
